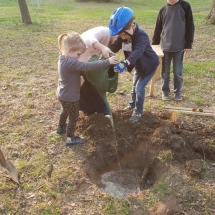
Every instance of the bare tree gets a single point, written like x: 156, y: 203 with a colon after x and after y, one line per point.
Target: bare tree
x: 211, y: 15
x: 24, y: 12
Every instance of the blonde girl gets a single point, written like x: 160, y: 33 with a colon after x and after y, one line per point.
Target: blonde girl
x: 70, y: 69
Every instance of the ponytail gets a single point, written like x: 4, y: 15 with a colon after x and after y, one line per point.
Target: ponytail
x: 60, y: 38
x: 72, y: 40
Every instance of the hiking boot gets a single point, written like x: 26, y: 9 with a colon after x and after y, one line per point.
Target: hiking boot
x: 74, y: 140
x: 165, y: 96
x: 178, y: 97
x: 128, y: 108
x: 61, y: 129
x: 135, y: 117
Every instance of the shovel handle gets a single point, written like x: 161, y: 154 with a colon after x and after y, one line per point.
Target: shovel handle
x: 2, y: 159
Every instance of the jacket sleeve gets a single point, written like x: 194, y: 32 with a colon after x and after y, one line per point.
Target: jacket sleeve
x: 75, y: 65
x: 189, y: 26
x: 158, y: 29
x: 139, y: 48
x: 117, y: 45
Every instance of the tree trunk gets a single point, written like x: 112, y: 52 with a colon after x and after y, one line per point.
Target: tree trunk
x: 211, y: 15
x: 24, y: 12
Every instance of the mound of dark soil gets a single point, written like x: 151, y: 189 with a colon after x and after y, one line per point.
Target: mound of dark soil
x: 138, y: 144
x: 147, y: 146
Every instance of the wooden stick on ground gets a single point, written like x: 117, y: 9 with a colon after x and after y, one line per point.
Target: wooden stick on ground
x: 193, y: 111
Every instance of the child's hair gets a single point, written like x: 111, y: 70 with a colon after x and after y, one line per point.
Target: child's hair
x: 128, y: 25
x: 71, y: 40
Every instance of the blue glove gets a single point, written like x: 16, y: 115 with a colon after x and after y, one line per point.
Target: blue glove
x: 120, y: 67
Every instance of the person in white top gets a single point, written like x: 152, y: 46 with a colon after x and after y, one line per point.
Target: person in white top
x: 97, y: 41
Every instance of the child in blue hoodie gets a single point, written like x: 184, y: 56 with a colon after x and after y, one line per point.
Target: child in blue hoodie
x: 138, y: 55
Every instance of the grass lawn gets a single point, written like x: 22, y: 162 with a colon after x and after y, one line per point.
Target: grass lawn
x: 29, y: 110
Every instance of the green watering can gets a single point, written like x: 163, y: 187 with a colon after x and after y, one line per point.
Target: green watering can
x: 105, y: 80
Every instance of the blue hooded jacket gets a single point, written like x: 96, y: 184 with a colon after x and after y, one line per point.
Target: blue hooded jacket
x: 142, y: 57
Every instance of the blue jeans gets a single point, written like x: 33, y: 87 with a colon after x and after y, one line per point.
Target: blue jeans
x: 138, y: 91
x: 177, y: 58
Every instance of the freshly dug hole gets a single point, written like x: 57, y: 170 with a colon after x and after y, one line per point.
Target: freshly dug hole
x: 145, y: 149
x: 140, y: 170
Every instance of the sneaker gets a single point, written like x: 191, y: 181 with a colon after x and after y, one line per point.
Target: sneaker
x: 74, y: 140
x: 135, y: 117
x: 128, y: 108
x: 165, y: 96
x: 61, y: 129
x: 178, y: 97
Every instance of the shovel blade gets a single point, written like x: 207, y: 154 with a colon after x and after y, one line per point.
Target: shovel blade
x: 2, y: 159
x: 12, y: 171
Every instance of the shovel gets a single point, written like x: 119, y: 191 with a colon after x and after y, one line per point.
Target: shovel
x: 12, y: 171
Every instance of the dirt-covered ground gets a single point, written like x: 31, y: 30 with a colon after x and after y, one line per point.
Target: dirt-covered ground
x: 172, y: 154
x: 161, y: 146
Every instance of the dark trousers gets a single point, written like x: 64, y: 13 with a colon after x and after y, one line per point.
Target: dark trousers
x: 177, y: 59
x: 90, y: 100
x: 71, y: 110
